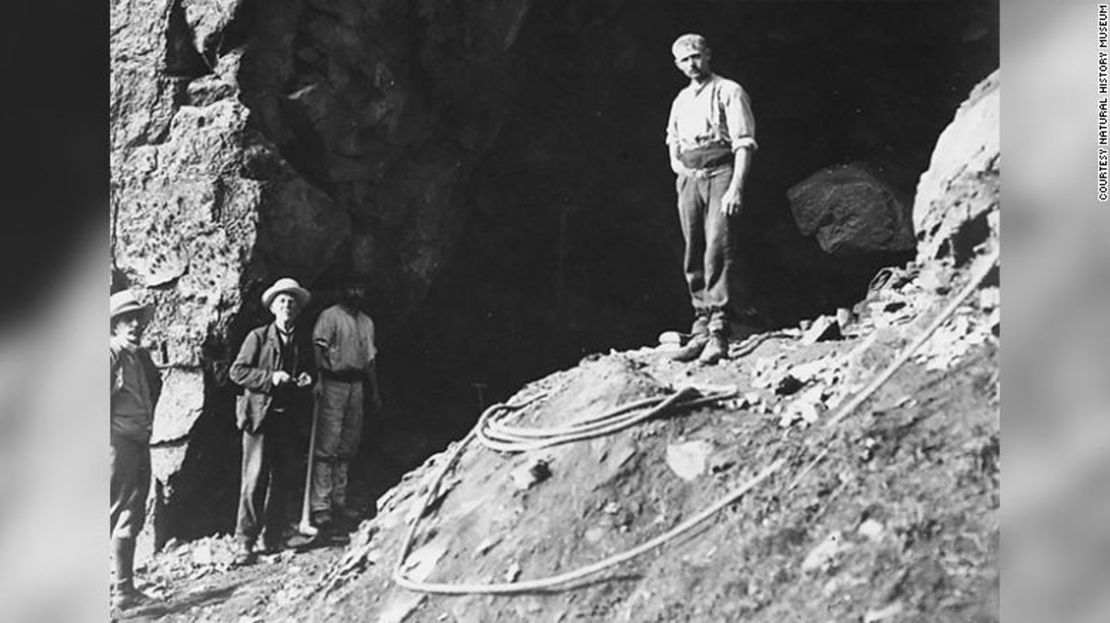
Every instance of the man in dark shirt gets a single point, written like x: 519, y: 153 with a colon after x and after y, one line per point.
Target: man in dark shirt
x: 135, y: 387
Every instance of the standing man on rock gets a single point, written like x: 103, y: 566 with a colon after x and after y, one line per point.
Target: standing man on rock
x: 135, y: 387
x: 710, y: 140
x: 276, y: 368
x: 345, y: 353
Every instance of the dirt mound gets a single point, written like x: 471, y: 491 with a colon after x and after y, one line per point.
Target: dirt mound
x: 890, y: 516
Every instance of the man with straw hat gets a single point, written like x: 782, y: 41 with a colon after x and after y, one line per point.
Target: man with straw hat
x: 710, y: 141
x: 135, y: 387
x: 276, y: 369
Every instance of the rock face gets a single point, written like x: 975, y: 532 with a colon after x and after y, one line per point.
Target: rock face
x: 956, y: 207
x: 851, y: 208
x: 251, y: 140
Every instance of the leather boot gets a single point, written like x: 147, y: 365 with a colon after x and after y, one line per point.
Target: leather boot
x: 691, y: 350
x: 700, y: 326
x: 124, y: 595
x: 715, y: 350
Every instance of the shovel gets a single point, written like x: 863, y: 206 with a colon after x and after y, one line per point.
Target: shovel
x: 305, y: 526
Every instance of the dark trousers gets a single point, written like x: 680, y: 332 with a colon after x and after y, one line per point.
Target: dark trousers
x: 130, y: 483
x: 266, y: 481
x: 706, y: 230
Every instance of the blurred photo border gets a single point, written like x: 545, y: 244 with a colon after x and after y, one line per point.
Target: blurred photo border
x: 1055, y: 375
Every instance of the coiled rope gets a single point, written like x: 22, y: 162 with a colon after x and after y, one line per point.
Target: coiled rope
x: 514, y: 439
x: 496, y: 435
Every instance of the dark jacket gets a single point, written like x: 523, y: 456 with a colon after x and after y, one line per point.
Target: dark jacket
x: 128, y: 426
x: 253, y: 369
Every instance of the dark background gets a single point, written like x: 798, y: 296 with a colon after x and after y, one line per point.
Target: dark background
x: 572, y: 243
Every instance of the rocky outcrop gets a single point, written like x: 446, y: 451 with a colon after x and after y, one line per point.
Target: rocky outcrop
x: 251, y: 140
x: 957, y: 202
x: 852, y: 208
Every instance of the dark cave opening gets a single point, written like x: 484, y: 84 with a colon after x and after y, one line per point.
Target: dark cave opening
x: 571, y: 244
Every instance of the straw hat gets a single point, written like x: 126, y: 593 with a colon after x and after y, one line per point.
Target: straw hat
x: 125, y: 302
x: 286, y: 285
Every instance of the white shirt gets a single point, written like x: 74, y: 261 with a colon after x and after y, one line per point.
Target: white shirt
x: 347, y: 340
x: 716, y: 111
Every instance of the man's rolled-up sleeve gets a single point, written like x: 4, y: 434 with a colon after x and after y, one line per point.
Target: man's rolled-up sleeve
x: 672, y: 125
x: 741, y: 121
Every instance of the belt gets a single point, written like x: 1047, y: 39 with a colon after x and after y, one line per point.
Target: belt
x: 708, y: 172
x: 349, y: 376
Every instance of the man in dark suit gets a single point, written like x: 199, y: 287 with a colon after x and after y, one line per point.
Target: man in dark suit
x: 276, y: 368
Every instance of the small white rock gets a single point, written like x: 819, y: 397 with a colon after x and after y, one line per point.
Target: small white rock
x: 823, y: 554
x: 871, y: 529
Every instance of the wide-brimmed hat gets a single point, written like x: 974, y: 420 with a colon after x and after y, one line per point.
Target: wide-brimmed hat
x: 124, y: 302
x: 287, y: 285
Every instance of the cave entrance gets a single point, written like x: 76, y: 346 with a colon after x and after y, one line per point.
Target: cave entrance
x: 570, y: 241
x: 572, y: 246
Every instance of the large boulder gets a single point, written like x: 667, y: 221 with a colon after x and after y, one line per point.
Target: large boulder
x: 957, y: 202
x: 252, y: 140
x: 853, y: 208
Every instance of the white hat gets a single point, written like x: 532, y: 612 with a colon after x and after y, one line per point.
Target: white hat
x: 124, y: 302
x: 287, y: 285
x: 689, y: 43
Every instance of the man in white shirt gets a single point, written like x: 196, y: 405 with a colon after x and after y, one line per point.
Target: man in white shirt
x: 345, y: 356
x: 710, y: 140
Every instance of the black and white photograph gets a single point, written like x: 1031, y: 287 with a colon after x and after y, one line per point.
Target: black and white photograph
x: 489, y: 311
x: 552, y: 311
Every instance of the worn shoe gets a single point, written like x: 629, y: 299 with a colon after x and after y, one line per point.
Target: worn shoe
x: 691, y: 350
x: 348, y: 518
x: 715, y: 350
x: 323, y: 522
x: 273, y: 547
x: 125, y: 597
x: 700, y: 326
x: 244, y: 555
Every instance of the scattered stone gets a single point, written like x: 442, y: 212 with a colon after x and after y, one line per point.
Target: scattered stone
x: 689, y: 460
x: 670, y: 338
x: 721, y: 462
x: 989, y: 298
x: 422, y: 562
x: 821, y: 557
x: 871, y: 529
x: 202, y: 554
x: 875, y: 616
x: 952, y: 341
x: 485, y: 546
x: 806, y: 407
x: 512, y: 573
x: 594, y: 535
x: 533, y: 472
x: 751, y: 399
x: 823, y: 328
x: 788, y: 385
